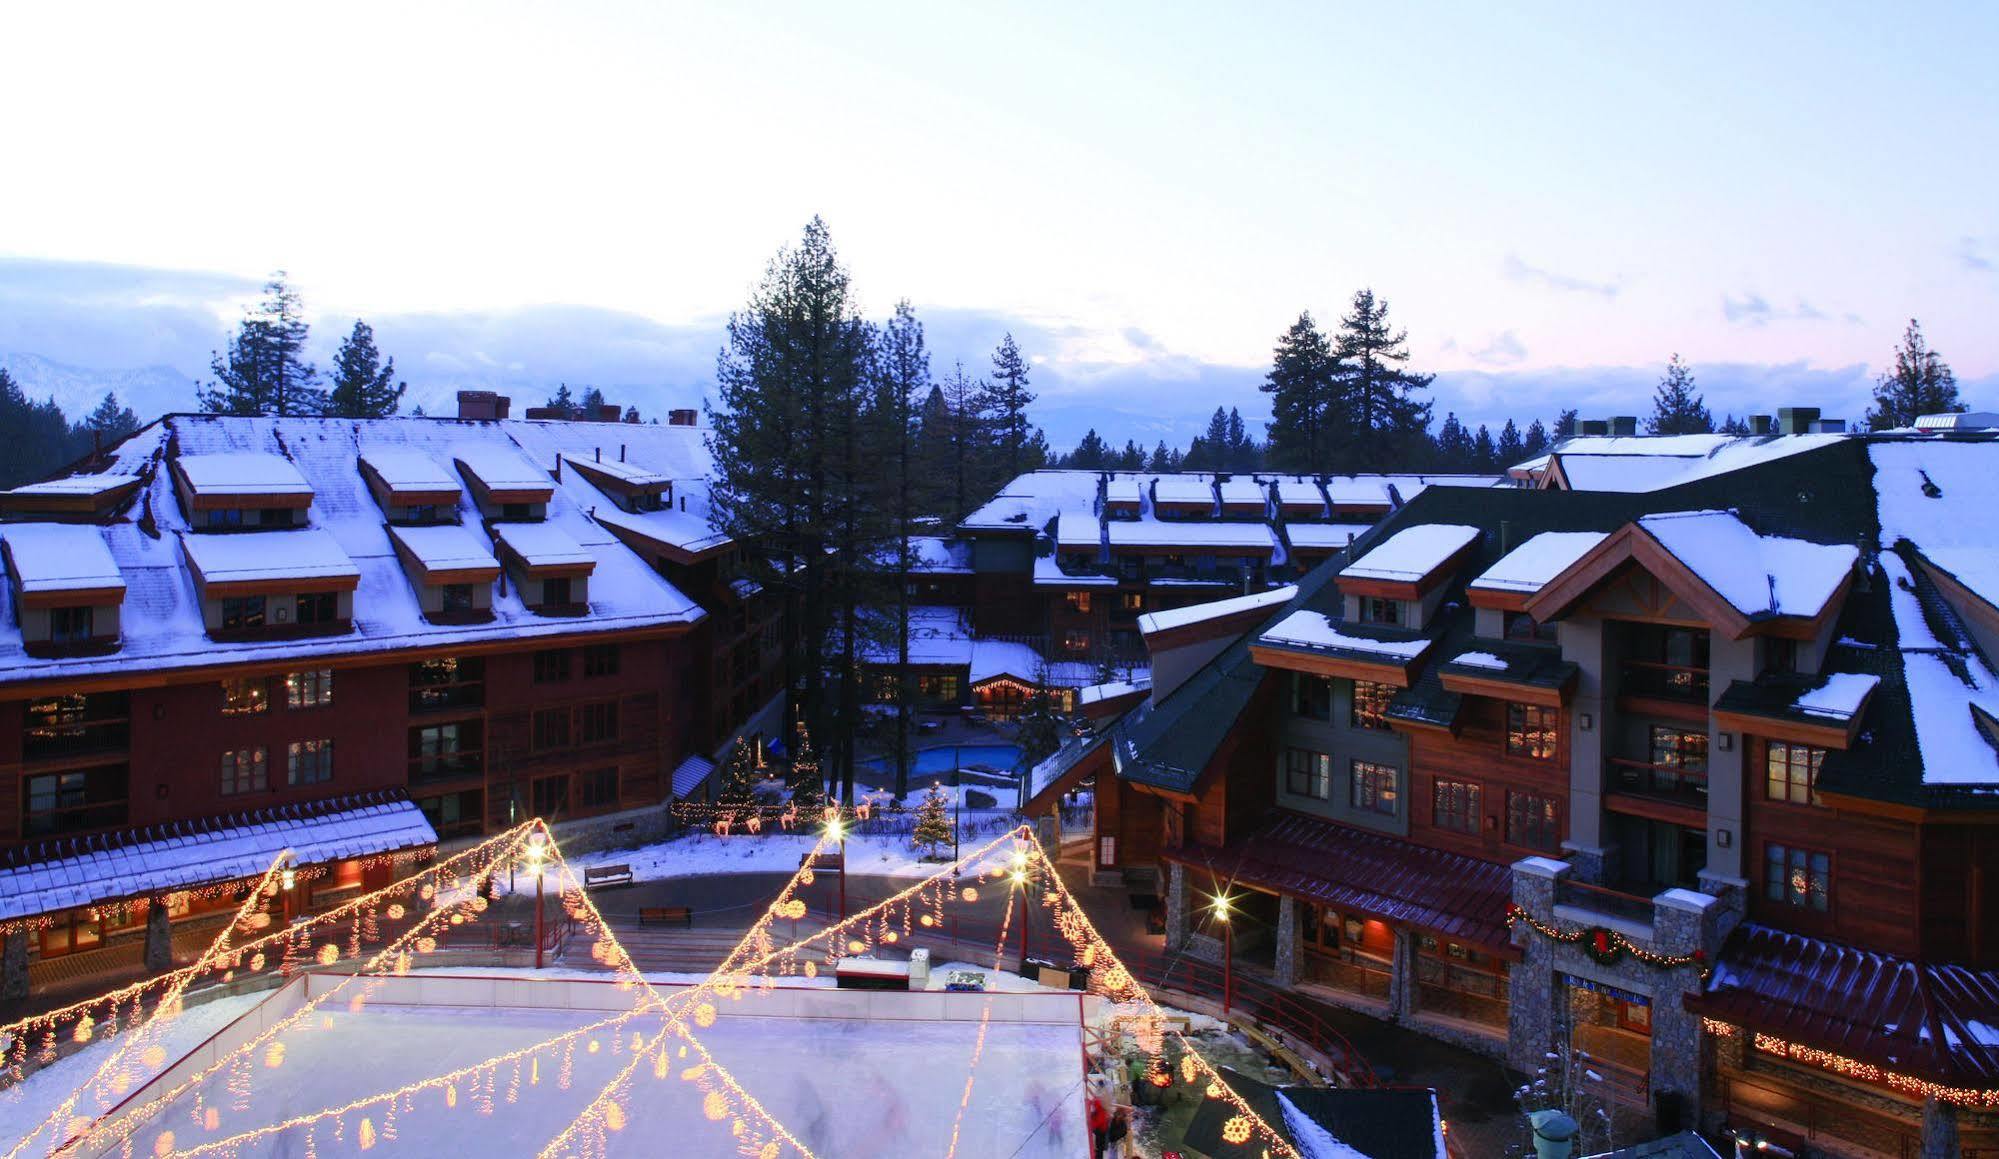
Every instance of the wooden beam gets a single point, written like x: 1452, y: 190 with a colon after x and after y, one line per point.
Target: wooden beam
x: 1380, y: 672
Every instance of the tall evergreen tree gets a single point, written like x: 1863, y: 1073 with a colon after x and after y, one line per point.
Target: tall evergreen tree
x: 902, y: 374
x: 1454, y: 449
x: 1512, y: 449
x: 1921, y: 384
x: 1300, y: 385
x: 264, y: 371
x: 966, y: 461
x: 1242, y: 449
x: 562, y: 402
x: 1163, y: 459
x: 1536, y: 443
x: 1377, y: 394
x: 1676, y: 409
x: 1565, y: 424
x: 1005, y: 406
x: 364, y: 386
x: 1092, y: 453
x: 1210, y: 449
x: 110, y: 422
x: 1485, y: 455
x: 39, y: 439
x: 593, y: 401
x: 1132, y: 458
x: 1733, y: 426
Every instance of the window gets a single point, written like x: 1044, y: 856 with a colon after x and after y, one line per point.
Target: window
x: 226, y: 517
x: 1674, y: 748
x: 939, y: 689
x: 1797, y: 877
x: 243, y: 771
x: 1075, y: 643
x: 312, y: 688
x: 241, y: 613
x: 309, y: 762
x: 71, y: 625
x: 1530, y: 731
x: 1455, y: 805
x: 1132, y: 601
x: 517, y: 511
x: 1370, y: 705
x: 551, y: 667
x: 600, y: 660
x: 551, y: 728
x: 1521, y: 627
x: 244, y: 697
x: 551, y: 796
x: 1311, y: 696
x: 1779, y: 655
x: 440, y: 750
x: 1078, y: 601
x: 69, y: 801
x: 318, y: 608
x: 600, y: 722
x: 555, y: 592
x: 1793, y: 773
x: 598, y: 789
x: 1532, y: 822
x: 1376, y: 610
x: 1374, y: 788
x: 448, y: 682
x: 457, y: 598
x: 1308, y: 774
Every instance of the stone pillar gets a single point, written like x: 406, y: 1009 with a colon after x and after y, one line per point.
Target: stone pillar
x: 14, y: 966
x: 1402, y: 976
x: 1287, y: 941
x: 159, y: 938
x: 1939, y: 1129
x: 1531, y: 992
x: 1683, y: 921
x: 1177, y: 917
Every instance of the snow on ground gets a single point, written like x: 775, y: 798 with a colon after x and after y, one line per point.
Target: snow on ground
x: 697, y: 854
x: 997, y: 981
x: 24, y: 1105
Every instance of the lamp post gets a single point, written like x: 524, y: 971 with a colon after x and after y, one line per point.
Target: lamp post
x: 1221, y: 910
x: 1020, y: 879
x: 288, y: 881
x: 537, y: 853
x: 837, y: 829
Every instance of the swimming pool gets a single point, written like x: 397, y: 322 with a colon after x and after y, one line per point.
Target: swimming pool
x: 944, y: 758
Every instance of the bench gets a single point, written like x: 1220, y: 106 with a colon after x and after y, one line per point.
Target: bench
x: 604, y: 876
x: 666, y: 915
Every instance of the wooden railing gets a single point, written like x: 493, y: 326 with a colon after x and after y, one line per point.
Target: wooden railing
x: 1673, y: 783
x: 1665, y: 681
x: 1599, y: 900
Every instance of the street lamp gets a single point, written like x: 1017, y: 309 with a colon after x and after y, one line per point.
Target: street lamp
x: 837, y: 830
x: 287, y: 881
x: 537, y: 854
x: 1020, y: 879
x: 1221, y: 911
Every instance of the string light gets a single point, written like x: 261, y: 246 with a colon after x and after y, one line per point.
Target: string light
x: 1605, y: 946
x: 1969, y: 1097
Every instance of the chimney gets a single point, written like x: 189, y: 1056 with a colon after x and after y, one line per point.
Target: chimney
x: 599, y: 451
x: 1592, y: 426
x: 1829, y: 427
x: 1796, y: 420
x: 558, y: 468
x: 621, y: 452
x: 680, y: 417
x: 482, y: 404
x: 1760, y: 425
x: 1624, y: 426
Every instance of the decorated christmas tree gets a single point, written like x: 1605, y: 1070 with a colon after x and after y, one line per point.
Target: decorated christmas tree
x: 808, y: 787
x: 933, y: 824
x: 740, y: 776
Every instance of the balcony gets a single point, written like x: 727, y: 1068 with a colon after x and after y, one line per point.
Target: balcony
x: 1596, y: 899
x: 446, y: 697
x: 75, y: 739
x: 1673, y: 784
x: 445, y: 767
x: 1651, y: 680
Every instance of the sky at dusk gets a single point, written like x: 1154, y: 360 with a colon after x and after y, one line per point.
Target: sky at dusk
x: 1552, y: 198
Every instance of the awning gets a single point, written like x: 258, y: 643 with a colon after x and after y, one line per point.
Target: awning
x: 1934, y: 1021
x: 688, y: 776
x: 1370, y: 874
x: 49, y: 876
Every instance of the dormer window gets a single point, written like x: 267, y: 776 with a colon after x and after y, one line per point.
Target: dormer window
x: 451, y: 569
x: 456, y: 599
x: 317, y: 608
x: 287, y: 582
x: 1405, y: 569
x: 549, y: 569
x: 67, y: 589
x: 1381, y: 612
x: 242, y: 612
x: 504, y: 485
x: 77, y: 497
x: 237, y: 490
x: 631, y: 487
x: 517, y: 511
x: 68, y: 626
x: 410, y: 486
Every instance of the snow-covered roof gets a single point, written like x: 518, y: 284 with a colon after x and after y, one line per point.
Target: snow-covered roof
x: 1122, y: 489
x: 264, y: 556
x: 67, y: 874
x: 1048, y: 573
x: 1683, y: 446
x: 1075, y: 529
x: 1840, y: 695
x: 1649, y: 463
x: 74, y: 486
x: 1307, y: 629
x: 60, y: 557
x: 242, y: 473
x: 669, y: 528
x: 1029, y: 501
x: 1942, y: 496
x: 1155, y: 533
x: 991, y: 659
x: 1480, y: 660
x: 1622, y: 472
x: 688, y: 774
x: 446, y: 547
x: 938, y: 637
x: 499, y: 467
x: 1412, y: 554
x: 543, y: 545
x: 1153, y: 623
x: 1529, y: 567
x: 1324, y: 536
x: 1359, y: 491
x: 1756, y: 574
x: 1245, y: 492
x: 932, y: 555
x: 407, y: 469
x: 1191, y: 490
x: 162, y: 624
x: 630, y: 474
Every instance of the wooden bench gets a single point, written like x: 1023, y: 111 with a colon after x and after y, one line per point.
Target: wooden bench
x: 667, y: 915
x: 604, y: 876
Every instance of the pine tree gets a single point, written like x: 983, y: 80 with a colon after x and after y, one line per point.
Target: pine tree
x: 807, y: 784
x: 562, y: 402
x: 1485, y: 456
x: 902, y: 374
x: 39, y: 438
x: 1040, y: 731
x: 1300, y: 387
x: 1162, y: 458
x: 1377, y: 414
x: 364, y: 387
x: 1091, y: 453
x: 1733, y: 426
x: 593, y: 402
x: 933, y: 823
x: 1454, y: 449
x: 740, y: 776
x: 1132, y: 458
x: 632, y: 414
x: 1511, y: 449
x: 1242, y: 448
x: 110, y: 421
x: 1005, y: 403
x: 1676, y: 409
x: 264, y: 371
x: 1536, y: 443
x: 1921, y: 384
x: 1565, y: 425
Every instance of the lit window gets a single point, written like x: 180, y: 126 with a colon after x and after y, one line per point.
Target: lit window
x: 244, y: 697
x: 1308, y: 774
x: 1533, y: 822
x: 309, y: 762
x: 1454, y: 805
x: 1530, y: 731
x: 243, y: 771
x: 1797, y: 877
x: 1792, y: 773
x: 1374, y: 789
x: 240, y: 613
x: 1079, y: 601
x: 312, y: 688
x: 1370, y: 704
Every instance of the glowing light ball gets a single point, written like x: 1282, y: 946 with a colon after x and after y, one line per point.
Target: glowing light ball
x: 1236, y: 1130
x: 164, y: 1145
x: 704, y: 1015
x: 396, y: 911
x: 328, y: 954
x: 715, y: 1106
x: 970, y: 894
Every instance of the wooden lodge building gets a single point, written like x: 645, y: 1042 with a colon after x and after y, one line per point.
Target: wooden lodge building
x: 1697, y: 771
x: 227, y: 636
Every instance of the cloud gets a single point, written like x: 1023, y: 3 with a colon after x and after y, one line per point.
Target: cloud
x: 1971, y: 255
x: 1515, y: 270
x: 1504, y: 350
x: 1753, y: 309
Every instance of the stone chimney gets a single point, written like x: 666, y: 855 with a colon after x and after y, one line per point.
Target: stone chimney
x: 482, y: 404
